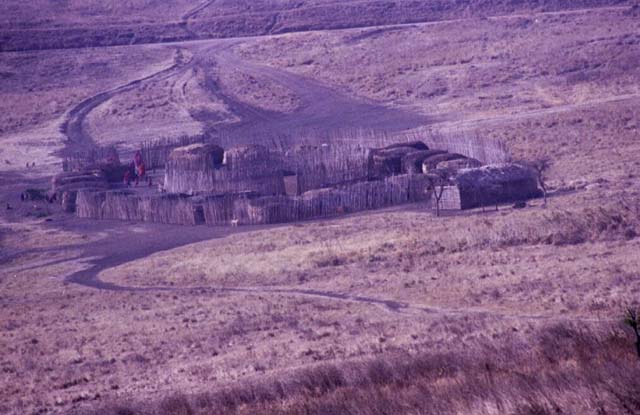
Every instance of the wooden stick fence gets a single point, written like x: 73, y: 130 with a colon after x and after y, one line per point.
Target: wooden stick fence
x: 250, y: 208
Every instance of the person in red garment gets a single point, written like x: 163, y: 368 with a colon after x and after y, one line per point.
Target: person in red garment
x: 136, y: 170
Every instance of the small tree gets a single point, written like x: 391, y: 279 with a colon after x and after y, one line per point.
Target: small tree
x: 438, y: 180
x: 632, y: 321
x: 540, y: 164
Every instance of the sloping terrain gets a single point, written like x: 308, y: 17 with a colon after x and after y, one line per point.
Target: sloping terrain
x: 73, y: 24
x: 503, y: 312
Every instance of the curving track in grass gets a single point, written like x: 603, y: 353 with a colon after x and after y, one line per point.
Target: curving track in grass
x: 78, y: 139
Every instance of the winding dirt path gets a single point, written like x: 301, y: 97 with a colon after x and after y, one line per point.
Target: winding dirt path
x: 78, y: 139
x: 91, y: 279
x: 127, y: 245
x: 197, y: 9
x: 323, y: 109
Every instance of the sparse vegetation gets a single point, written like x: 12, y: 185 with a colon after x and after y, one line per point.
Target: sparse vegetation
x: 541, y: 166
x: 449, y: 381
x: 514, y: 311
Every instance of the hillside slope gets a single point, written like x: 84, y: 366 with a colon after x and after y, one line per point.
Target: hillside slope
x: 72, y: 24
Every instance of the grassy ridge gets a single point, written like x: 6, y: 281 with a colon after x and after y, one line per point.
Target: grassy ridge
x: 544, y: 376
x: 213, y: 22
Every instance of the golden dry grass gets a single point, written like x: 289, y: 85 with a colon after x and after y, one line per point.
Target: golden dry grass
x: 495, y: 278
x: 351, y: 293
x: 471, y: 68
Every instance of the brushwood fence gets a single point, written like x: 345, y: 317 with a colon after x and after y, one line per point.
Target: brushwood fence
x: 249, y: 208
x: 467, y: 143
x: 247, y: 168
x: 81, y: 160
x: 327, y: 165
x: 128, y: 206
x: 155, y: 153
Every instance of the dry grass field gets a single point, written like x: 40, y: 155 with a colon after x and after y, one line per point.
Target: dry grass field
x: 514, y: 311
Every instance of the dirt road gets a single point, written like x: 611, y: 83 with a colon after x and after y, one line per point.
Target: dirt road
x: 323, y: 110
x: 78, y: 139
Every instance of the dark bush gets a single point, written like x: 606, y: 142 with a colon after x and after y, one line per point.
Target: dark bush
x: 176, y: 405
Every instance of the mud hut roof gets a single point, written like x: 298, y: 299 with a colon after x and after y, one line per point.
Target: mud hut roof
x: 412, y: 162
x: 494, y: 174
x: 495, y: 184
x: 459, y: 164
x: 430, y: 163
x: 195, y: 150
x: 247, y: 152
x: 416, y: 145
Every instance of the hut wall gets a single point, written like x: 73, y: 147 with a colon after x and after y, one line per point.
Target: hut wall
x: 388, y: 161
x: 219, y: 210
x: 329, y: 202
x: 124, y: 205
x: 252, y: 208
x: 245, y: 169
x: 89, y: 204
x: 487, y: 150
x: 450, y: 199
x: 496, y: 184
x: 328, y: 165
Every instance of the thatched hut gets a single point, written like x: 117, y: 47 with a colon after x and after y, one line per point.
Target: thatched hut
x: 388, y: 161
x: 430, y: 163
x: 399, y: 158
x: 458, y: 164
x: 316, y: 167
x: 416, y: 145
x: 412, y: 162
x: 490, y: 185
x: 191, y: 168
x: 206, y: 168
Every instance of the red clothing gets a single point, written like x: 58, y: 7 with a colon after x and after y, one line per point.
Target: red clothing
x: 140, y: 170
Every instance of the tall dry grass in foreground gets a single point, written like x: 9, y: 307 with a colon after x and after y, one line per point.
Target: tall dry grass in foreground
x: 560, y: 370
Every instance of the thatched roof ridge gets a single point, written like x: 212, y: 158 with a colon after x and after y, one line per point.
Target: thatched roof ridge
x: 430, y: 163
x: 197, y: 150
x: 246, y: 153
x: 495, y: 173
x: 412, y: 162
x: 459, y: 164
x: 416, y: 145
x: 493, y: 184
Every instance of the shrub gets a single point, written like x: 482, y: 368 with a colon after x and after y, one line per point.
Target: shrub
x: 176, y: 405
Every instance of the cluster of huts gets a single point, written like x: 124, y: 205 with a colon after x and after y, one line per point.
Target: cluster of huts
x: 206, y: 184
